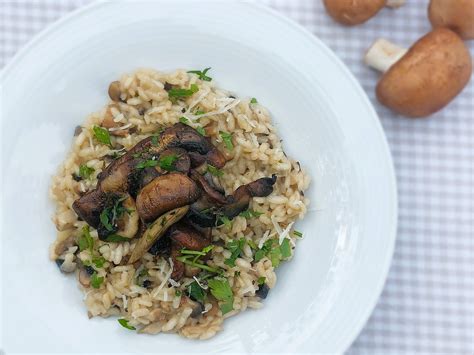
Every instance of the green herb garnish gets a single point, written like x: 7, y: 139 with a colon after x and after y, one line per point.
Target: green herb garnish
x: 150, y: 163
x: 167, y: 162
x: 227, y: 139
x: 298, y: 234
x: 253, y: 100
x: 221, y: 290
x: 104, y: 219
x: 235, y: 247
x: 250, y: 213
x: 184, y: 120
x: 285, y: 248
x: 264, y: 250
x: 98, y: 261
x: 186, y: 259
x: 261, y: 280
x: 115, y: 238
x: 178, y: 93
x: 222, y: 219
x: 85, y: 240
x: 199, y: 113
x: 124, y: 323
x: 196, y: 292
x: 154, y: 141
x: 202, y: 74
x: 214, y: 171
x: 178, y: 293
x: 102, y: 135
x: 201, y: 130
x: 252, y: 244
x: 96, y: 281
x: 85, y: 172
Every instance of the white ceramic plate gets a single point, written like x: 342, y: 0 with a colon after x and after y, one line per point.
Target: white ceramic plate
x: 324, y: 296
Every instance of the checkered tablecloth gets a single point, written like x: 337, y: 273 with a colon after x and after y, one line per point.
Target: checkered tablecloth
x: 427, y: 305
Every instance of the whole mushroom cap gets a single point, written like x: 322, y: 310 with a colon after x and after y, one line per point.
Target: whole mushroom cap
x: 457, y: 15
x: 433, y: 71
x: 350, y: 12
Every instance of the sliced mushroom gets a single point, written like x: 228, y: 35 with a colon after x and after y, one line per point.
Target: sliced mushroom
x: 178, y: 266
x: 89, y: 206
x: 210, y: 191
x: 115, y: 91
x: 129, y: 222
x: 155, y: 231
x: 165, y: 193
x: 241, y: 197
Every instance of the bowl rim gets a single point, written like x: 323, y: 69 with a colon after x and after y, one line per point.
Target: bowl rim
x: 42, y: 35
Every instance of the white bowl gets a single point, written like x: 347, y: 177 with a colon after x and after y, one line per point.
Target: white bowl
x: 324, y: 296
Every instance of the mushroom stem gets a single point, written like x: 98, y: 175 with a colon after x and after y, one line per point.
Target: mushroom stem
x: 395, y: 3
x: 383, y: 54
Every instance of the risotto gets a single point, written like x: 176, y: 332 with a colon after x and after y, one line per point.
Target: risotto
x: 175, y: 204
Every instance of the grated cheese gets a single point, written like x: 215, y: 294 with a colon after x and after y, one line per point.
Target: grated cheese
x: 204, y: 287
x: 113, y: 129
x: 165, y: 280
x: 282, y: 234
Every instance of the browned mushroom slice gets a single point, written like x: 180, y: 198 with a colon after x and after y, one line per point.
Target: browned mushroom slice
x: 89, y: 206
x: 178, y: 266
x: 210, y: 191
x: 213, y: 157
x: 241, y: 197
x: 112, y: 126
x: 183, y: 235
x: 183, y: 136
x: 165, y: 193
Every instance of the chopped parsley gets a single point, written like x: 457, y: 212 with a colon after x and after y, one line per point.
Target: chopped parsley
x: 261, y: 280
x: 85, y: 172
x: 85, y: 240
x: 178, y: 93
x: 178, y: 293
x: 154, y: 141
x: 199, y: 113
x: 196, y: 292
x: 98, y: 261
x: 109, y: 215
x: 184, y: 120
x: 102, y: 135
x: 298, y: 234
x: 252, y: 244
x: 166, y: 163
x: 250, y: 213
x: 124, y: 323
x: 115, y: 238
x: 201, y: 130
x: 285, y: 248
x: 274, y: 251
x: 202, y: 74
x: 235, y: 247
x: 96, y: 281
x: 214, y: 171
x: 220, y: 289
x: 227, y: 139
x: 104, y: 219
x: 253, y: 100
x: 222, y: 219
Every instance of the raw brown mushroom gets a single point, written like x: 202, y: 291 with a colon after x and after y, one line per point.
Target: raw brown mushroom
x: 457, y: 15
x: 424, y: 79
x: 354, y: 12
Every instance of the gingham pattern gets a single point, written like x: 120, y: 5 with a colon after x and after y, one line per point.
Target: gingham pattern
x: 428, y: 302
